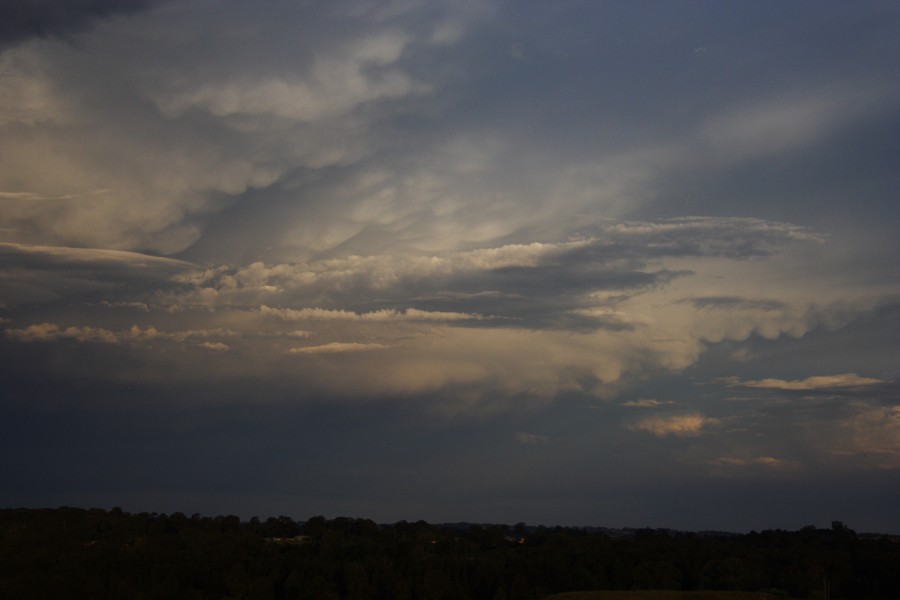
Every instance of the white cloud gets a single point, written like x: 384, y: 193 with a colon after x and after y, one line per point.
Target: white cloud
x: 216, y: 347
x: 767, y: 462
x: 300, y: 333
x: 821, y: 382
x: 685, y: 425
x: 337, y: 348
x: 48, y: 332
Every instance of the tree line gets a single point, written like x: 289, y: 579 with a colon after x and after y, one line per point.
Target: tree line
x: 95, y: 553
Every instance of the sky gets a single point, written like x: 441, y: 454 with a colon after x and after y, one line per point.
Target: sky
x: 616, y: 264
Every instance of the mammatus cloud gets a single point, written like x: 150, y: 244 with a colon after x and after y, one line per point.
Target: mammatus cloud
x: 227, y: 117
x: 591, y: 315
x: 684, y: 425
x: 821, y: 382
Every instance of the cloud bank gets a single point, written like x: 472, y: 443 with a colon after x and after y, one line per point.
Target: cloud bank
x: 394, y: 241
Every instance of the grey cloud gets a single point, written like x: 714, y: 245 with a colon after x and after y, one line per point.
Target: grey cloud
x: 49, y: 332
x: 43, y: 273
x: 734, y: 303
x: 679, y: 425
x: 24, y: 19
x: 647, y: 403
x: 813, y: 383
x: 539, y: 286
x: 531, y: 439
x: 616, y: 258
x: 116, y: 262
x: 475, y: 224
x: 300, y: 89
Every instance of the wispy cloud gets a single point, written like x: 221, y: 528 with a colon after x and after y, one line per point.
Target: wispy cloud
x: 531, y: 439
x: 683, y: 425
x: 767, y: 462
x: 49, y: 332
x: 337, y: 348
x: 646, y: 403
x: 321, y: 314
x: 820, y: 382
x: 216, y: 347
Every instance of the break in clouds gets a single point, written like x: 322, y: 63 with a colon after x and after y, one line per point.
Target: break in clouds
x: 472, y: 212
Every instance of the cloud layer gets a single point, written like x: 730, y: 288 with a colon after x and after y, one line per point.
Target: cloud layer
x: 394, y: 241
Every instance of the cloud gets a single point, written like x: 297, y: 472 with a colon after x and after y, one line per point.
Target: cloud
x: 386, y: 240
x: 216, y: 347
x: 783, y: 123
x: 37, y: 257
x: 735, y: 303
x: 733, y: 237
x: 767, y: 462
x: 646, y: 403
x: 629, y: 257
x: 25, y: 19
x: 321, y: 314
x: 330, y: 86
x: 300, y: 333
x: 868, y: 438
x: 337, y: 348
x: 685, y: 425
x: 821, y: 382
x: 50, y: 332
x: 35, y: 274
x: 593, y: 316
x: 531, y: 439
x: 255, y: 102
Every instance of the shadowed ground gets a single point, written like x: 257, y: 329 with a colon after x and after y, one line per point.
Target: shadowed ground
x: 663, y: 595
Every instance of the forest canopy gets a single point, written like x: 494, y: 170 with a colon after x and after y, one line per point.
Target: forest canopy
x: 96, y: 553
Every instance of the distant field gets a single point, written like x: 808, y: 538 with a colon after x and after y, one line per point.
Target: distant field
x: 663, y: 595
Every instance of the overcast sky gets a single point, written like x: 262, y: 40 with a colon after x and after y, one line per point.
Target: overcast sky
x: 576, y: 263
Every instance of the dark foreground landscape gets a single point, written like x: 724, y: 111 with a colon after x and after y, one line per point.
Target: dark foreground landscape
x: 78, y: 553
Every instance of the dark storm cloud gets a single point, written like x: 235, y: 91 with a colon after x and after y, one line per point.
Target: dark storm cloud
x: 24, y: 19
x: 417, y: 238
x: 30, y: 274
